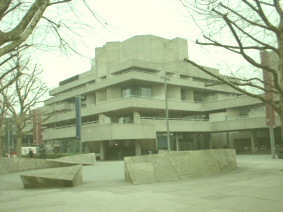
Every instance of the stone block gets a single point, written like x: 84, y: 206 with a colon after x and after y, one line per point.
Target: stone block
x: 141, y: 173
x: 176, y: 166
x: 84, y: 159
x: 56, y: 177
x: 164, y: 170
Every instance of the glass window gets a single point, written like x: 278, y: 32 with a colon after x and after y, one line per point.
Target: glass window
x: 136, y: 90
x: 146, y: 91
x: 126, y: 92
x: 183, y: 94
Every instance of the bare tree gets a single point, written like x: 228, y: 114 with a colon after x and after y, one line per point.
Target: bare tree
x: 3, y: 110
x: 41, y: 24
x: 245, y: 28
x: 23, y: 96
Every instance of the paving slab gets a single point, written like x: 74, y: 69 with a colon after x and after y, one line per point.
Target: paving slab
x: 256, y: 185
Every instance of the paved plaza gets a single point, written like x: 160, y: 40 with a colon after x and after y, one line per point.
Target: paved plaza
x: 256, y: 185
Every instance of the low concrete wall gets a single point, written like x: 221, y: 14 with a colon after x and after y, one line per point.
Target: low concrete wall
x: 56, y: 177
x: 177, y: 166
x: 84, y: 159
x: 8, y: 165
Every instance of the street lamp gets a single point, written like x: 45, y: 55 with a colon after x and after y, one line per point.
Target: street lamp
x: 166, y: 109
x: 78, y: 120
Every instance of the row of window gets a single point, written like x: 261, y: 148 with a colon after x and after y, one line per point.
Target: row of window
x: 136, y: 90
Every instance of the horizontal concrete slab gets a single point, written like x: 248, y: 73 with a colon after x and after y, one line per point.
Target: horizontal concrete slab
x: 56, y: 177
x: 84, y: 159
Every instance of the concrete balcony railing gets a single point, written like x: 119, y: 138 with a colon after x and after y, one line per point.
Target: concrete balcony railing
x: 178, y: 125
x: 127, y: 103
x: 96, y: 132
x: 147, y: 127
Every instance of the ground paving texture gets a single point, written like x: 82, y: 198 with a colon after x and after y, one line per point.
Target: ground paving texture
x: 257, y: 185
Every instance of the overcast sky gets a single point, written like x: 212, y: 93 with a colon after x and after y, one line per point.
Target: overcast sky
x: 126, y: 18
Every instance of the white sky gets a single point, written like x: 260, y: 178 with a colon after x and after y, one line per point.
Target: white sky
x: 127, y: 18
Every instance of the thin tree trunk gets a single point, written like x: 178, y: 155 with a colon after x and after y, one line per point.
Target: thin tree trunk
x: 1, y: 146
x: 19, y: 147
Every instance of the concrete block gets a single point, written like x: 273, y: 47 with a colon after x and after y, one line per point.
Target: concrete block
x: 8, y: 165
x: 176, y: 166
x: 56, y: 177
x: 141, y: 173
x: 84, y: 159
x: 164, y: 170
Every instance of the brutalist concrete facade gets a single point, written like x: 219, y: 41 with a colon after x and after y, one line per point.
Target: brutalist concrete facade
x: 123, y: 106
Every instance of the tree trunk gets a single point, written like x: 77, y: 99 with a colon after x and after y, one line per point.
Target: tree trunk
x: 281, y: 142
x: 280, y: 73
x: 19, y: 147
x: 1, y: 146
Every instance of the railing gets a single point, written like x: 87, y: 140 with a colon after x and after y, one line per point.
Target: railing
x: 210, y: 120
x: 141, y: 71
x: 172, y: 119
x: 73, y: 125
x: 130, y: 96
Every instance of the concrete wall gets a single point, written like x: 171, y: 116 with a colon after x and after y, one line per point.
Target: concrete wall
x: 146, y: 48
x: 114, y: 92
x: 101, y: 96
x: 178, y: 166
x: 91, y: 98
x: 232, y: 113
x: 158, y: 91
x: 217, y: 116
x: 189, y: 95
x: 8, y: 165
x: 174, y: 92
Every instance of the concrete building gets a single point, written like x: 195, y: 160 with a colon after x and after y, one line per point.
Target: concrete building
x: 123, y: 106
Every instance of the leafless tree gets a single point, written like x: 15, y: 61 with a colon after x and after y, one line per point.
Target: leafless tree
x: 246, y: 28
x: 41, y: 24
x: 3, y: 110
x: 23, y: 96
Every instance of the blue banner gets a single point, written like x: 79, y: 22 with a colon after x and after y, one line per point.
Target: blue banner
x: 78, y: 118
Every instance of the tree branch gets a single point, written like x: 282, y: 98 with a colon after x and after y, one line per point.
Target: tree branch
x: 10, y: 47
x: 59, y: 2
x: 261, y: 98
x: 10, y: 10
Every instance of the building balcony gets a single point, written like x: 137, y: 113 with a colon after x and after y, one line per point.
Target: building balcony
x: 127, y: 103
x: 96, y: 132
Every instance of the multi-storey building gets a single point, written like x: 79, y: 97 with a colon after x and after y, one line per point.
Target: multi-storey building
x: 123, y: 107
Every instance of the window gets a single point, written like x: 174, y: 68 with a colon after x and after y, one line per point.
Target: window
x: 126, y: 92
x: 136, y: 91
x: 146, y: 91
x: 183, y: 95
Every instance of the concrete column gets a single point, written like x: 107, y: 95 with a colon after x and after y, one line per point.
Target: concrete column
x: 177, y: 142
x: 210, y: 141
x: 253, y: 142
x: 102, y: 151
x: 138, y: 147
x: 104, y: 119
x: 136, y: 118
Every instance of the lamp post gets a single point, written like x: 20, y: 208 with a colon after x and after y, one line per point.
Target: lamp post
x: 166, y: 110
x: 78, y: 121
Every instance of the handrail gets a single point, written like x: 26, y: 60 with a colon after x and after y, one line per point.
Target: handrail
x: 172, y: 119
x: 73, y: 125
x: 210, y: 120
